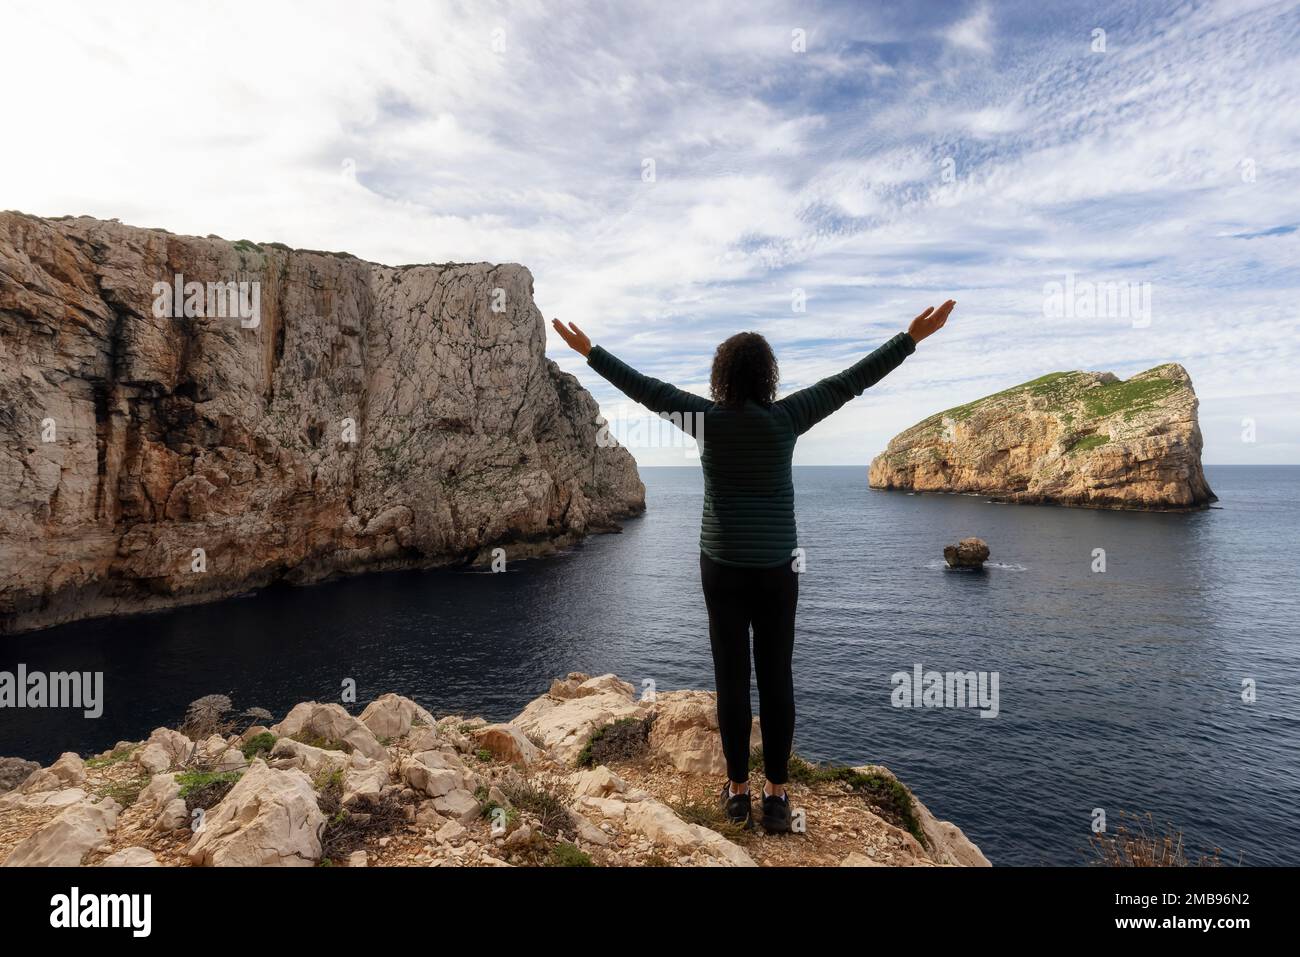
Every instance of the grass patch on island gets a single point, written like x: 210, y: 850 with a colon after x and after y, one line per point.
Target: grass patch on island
x: 1127, y: 397
x: 1088, y: 443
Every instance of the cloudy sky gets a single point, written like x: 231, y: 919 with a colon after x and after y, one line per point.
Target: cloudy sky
x: 870, y: 162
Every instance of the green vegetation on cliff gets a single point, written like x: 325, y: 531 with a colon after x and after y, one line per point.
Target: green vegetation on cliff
x: 1076, y: 438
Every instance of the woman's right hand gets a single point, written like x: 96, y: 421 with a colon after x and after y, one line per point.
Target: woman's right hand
x: 575, y: 337
x: 930, y: 321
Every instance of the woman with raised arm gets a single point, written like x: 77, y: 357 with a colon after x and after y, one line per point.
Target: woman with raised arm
x: 747, y: 536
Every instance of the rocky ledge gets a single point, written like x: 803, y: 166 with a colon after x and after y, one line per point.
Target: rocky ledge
x: 292, y: 415
x: 1068, y: 438
x: 587, y: 774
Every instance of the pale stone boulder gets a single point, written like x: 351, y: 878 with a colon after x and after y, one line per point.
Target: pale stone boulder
x: 587, y: 831
x: 66, y: 839
x: 163, y: 750
x: 452, y: 832
x: 210, y: 749
x: 288, y: 753
x: 40, y: 781
x: 131, y: 857
x: 564, y: 725
x: 270, y: 818
x: 43, y: 799
x: 230, y: 760
x: 605, y: 684
x: 426, y: 815
x: 507, y: 743
x: 432, y: 782
x: 459, y: 805
x: 660, y: 824
x: 174, y: 816
x: 332, y: 723
x: 161, y: 790
x: 446, y: 734
x: 579, y: 684
x: 597, y: 782
x: 567, y: 687
x: 441, y: 758
x: 69, y: 769
x: 391, y: 716
x: 364, y: 783
x: 609, y: 809
x: 434, y: 773
x: 152, y: 758
x: 685, y: 732
x: 427, y: 739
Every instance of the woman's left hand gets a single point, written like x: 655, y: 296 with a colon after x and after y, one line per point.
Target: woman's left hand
x: 575, y: 337
x: 930, y: 321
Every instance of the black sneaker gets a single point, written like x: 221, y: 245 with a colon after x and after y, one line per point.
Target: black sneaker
x: 776, y: 813
x: 736, y: 806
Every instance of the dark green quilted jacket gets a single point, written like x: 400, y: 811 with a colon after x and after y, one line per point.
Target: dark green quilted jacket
x: 746, y: 452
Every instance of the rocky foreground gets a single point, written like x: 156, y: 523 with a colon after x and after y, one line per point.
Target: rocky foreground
x: 587, y: 774
x: 360, y: 417
x: 1068, y: 438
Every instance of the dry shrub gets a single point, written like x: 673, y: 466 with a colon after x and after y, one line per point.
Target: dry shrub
x: 1144, y: 844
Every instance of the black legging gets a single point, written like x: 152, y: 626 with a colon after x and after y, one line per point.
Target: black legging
x: 766, y: 598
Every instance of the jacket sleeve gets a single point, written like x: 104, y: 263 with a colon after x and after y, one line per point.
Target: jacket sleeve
x: 659, y: 397
x: 809, y: 406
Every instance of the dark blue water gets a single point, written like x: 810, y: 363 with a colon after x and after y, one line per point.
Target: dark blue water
x: 1119, y: 690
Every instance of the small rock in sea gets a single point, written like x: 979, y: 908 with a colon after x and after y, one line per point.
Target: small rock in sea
x: 968, y: 553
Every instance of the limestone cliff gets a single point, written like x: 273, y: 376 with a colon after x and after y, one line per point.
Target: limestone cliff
x: 1071, y: 438
x: 356, y: 417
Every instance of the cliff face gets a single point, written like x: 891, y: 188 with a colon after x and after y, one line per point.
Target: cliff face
x: 1071, y: 438
x: 357, y: 417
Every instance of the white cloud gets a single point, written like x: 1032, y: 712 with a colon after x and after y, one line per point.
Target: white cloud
x: 972, y: 33
x: 776, y: 170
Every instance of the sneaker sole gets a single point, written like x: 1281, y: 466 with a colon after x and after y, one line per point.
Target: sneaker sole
x: 776, y: 827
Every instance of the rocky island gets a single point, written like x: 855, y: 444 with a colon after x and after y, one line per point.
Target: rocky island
x: 186, y: 419
x: 587, y: 774
x: 1068, y: 438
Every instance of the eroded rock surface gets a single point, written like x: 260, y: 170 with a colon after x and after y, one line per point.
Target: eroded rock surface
x: 1070, y: 438
x: 456, y: 791
x: 373, y: 417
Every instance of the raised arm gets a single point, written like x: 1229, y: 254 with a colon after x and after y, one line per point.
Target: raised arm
x: 657, y: 396
x: 809, y: 406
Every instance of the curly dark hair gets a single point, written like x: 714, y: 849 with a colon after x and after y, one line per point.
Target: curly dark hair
x: 744, y: 368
